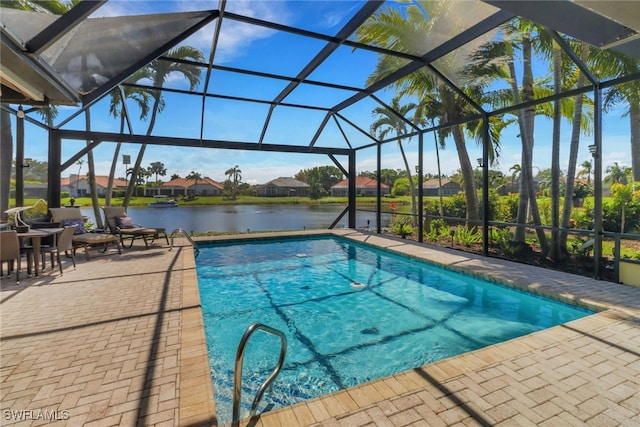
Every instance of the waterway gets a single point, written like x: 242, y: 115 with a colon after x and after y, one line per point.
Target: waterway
x: 243, y: 218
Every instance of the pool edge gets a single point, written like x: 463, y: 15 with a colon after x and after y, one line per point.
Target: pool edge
x: 343, y: 402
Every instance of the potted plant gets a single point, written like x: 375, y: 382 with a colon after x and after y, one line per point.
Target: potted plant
x: 580, y: 191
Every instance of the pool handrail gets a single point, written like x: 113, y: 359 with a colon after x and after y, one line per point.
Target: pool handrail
x: 237, y: 374
x: 196, y: 248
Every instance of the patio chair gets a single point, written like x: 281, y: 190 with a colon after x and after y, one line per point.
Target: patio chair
x: 10, y: 251
x: 64, y: 243
x: 122, y: 225
x: 83, y: 239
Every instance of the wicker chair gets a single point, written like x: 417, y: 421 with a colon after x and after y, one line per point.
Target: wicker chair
x: 10, y: 251
x: 64, y: 243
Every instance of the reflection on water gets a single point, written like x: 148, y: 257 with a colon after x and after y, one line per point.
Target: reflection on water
x: 241, y: 218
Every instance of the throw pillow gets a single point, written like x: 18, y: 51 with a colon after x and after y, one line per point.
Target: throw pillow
x: 124, y: 222
x: 79, y: 224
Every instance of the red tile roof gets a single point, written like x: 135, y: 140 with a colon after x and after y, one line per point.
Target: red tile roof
x: 188, y: 183
x: 101, y: 180
x: 361, y: 182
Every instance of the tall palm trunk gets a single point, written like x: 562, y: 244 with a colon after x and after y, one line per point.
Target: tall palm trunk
x: 114, y: 163
x: 414, y: 209
x: 92, y: 176
x: 573, y: 156
x: 6, y: 157
x: 468, y: 180
x: 526, y: 119
x: 634, y: 117
x: 435, y: 140
x: 555, y: 156
x: 136, y: 167
x: 523, y: 188
x: 529, y: 116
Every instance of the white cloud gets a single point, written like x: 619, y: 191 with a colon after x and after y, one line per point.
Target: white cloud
x: 236, y: 36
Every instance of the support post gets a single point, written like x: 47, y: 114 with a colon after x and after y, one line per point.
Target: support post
x: 379, y: 188
x: 420, y: 177
x: 54, y: 158
x: 20, y: 157
x: 597, y: 180
x: 352, y: 189
x: 485, y: 185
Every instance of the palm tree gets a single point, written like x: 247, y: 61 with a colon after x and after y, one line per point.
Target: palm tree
x: 515, y: 172
x: 389, y: 120
x: 587, y: 167
x: 555, y: 155
x: 157, y: 168
x: 141, y: 98
x: 235, y: 176
x: 194, y: 176
x: 405, y: 30
x: 611, y: 64
x: 91, y: 175
x: 497, y: 60
x: 159, y: 71
x: 80, y: 162
x: 574, y: 146
x: 615, y: 174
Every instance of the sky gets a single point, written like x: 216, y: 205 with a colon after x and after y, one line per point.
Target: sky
x: 268, y: 51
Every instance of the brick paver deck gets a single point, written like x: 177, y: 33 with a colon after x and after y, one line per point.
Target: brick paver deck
x: 120, y: 341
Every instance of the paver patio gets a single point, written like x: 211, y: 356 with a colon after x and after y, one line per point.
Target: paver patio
x: 120, y: 341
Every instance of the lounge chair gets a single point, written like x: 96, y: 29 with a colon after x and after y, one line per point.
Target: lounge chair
x: 122, y: 225
x: 83, y: 239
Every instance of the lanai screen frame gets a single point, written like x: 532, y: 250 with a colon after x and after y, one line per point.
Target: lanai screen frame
x: 57, y: 134
x: 333, y: 42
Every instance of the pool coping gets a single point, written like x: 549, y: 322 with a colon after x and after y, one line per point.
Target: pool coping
x: 197, y: 403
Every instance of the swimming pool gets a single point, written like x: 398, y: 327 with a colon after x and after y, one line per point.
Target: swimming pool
x: 351, y: 313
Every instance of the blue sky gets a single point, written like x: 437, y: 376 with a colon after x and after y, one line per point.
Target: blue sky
x: 259, y: 49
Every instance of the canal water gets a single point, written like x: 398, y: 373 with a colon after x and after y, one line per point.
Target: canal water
x: 243, y: 218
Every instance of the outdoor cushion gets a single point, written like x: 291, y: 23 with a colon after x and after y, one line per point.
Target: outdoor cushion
x: 124, y: 222
x: 78, y: 223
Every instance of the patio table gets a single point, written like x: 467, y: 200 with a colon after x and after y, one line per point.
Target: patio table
x: 36, y: 236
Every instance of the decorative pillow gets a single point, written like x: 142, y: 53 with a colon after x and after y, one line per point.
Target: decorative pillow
x: 79, y: 224
x: 124, y: 222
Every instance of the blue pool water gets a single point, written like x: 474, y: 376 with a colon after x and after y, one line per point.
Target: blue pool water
x: 402, y: 314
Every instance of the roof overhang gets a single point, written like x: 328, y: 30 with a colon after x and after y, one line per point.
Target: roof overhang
x: 26, y: 80
x: 73, y: 58
x: 606, y: 24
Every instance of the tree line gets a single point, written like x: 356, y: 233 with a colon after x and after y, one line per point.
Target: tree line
x: 499, y: 73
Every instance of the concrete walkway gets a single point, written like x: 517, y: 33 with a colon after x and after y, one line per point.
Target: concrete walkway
x: 120, y: 341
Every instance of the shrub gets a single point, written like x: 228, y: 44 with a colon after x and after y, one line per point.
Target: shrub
x: 612, y: 217
x: 583, y: 218
x: 438, y: 230
x: 467, y: 236
x: 402, y: 225
x: 454, y: 206
x: 544, y: 208
x: 507, y: 209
